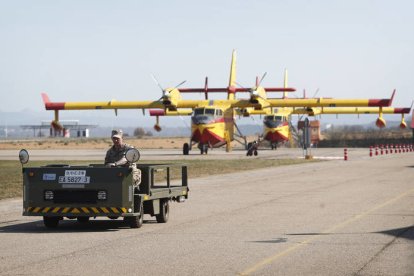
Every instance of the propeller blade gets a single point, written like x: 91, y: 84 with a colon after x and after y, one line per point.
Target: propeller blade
x: 238, y: 84
x: 159, y: 85
x: 264, y: 75
x: 178, y: 85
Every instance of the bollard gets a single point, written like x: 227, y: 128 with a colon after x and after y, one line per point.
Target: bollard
x: 391, y: 146
x: 382, y: 149
x: 376, y: 149
x: 386, y: 149
x: 345, y: 154
x: 370, y: 151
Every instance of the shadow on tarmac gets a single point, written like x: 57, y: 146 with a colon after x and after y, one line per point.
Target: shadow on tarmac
x: 68, y: 226
x: 277, y: 240
x: 405, y: 233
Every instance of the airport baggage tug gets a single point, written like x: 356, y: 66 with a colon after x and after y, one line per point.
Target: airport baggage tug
x: 61, y: 191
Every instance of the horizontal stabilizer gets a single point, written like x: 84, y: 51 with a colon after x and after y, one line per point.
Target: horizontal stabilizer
x: 45, y: 98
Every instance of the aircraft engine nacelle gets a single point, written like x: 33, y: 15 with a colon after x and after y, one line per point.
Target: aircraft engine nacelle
x: 380, y: 122
x: 171, y: 97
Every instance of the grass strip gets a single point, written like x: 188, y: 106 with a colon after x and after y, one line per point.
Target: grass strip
x: 11, y: 171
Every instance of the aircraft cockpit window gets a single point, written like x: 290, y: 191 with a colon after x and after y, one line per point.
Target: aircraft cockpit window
x: 198, y: 111
x: 209, y: 111
x: 278, y: 118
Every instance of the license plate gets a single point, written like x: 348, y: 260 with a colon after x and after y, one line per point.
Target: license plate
x: 74, y: 179
x: 75, y: 172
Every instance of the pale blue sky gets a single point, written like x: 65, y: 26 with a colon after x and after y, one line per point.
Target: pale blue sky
x: 102, y: 50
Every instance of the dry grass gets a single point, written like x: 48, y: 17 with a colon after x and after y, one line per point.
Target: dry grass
x: 11, y: 184
x: 93, y: 143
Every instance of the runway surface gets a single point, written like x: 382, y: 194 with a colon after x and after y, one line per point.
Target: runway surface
x: 352, y: 217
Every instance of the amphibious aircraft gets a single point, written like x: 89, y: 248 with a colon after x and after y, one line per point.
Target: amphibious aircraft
x: 213, y: 121
x: 277, y: 123
x: 278, y: 128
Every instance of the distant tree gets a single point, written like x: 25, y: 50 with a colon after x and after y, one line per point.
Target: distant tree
x: 139, y: 132
x: 149, y: 133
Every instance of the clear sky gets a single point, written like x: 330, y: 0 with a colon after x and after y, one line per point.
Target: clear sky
x: 102, y: 50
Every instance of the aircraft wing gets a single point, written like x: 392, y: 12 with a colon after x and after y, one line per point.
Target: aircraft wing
x: 352, y: 110
x: 113, y: 104
x: 316, y: 102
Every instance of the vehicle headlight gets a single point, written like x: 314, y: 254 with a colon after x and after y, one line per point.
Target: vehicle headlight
x: 49, y: 195
x: 102, y: 195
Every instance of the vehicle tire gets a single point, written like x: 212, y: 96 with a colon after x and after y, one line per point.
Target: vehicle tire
x: 255, y: 153
x: 83, y: 219
x: 164, y: 214
x: 186, y: 149
x: 137, y: 221
x: 51, y: 222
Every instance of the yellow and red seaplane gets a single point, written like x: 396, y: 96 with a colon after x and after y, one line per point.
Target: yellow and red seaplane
x: 213, y: 121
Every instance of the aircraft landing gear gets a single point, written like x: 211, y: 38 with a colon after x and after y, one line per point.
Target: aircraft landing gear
x: 273, y: 146
x: 186, y: 149
x: 252, y: 148
x: 203, y: 148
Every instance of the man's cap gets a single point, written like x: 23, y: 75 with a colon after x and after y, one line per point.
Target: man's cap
x: 116, y: 133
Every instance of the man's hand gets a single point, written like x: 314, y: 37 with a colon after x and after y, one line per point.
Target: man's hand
x: 110, y: 165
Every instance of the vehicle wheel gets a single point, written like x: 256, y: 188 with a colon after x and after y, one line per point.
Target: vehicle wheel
x: 51, y: 222
x: 255, y: 153
x: 137, y: 221
x: 186, y: 149
x: 83, y: 219
x: 164, y: 214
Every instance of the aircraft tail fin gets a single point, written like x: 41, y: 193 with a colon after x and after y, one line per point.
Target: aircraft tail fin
x: 232, y: 80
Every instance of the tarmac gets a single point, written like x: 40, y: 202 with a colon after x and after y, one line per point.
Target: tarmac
x: 353, y: 217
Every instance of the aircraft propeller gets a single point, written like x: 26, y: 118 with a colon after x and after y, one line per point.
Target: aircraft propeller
x: 253, y: 91
x: 165, y: 92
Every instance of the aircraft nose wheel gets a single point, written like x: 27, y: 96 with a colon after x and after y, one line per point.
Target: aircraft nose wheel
x: 203, y: 149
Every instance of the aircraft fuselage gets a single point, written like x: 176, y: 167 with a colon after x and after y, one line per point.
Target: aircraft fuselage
x: 212, y: 127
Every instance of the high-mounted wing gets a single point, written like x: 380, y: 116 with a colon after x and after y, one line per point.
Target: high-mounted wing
x: 380, y: 122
